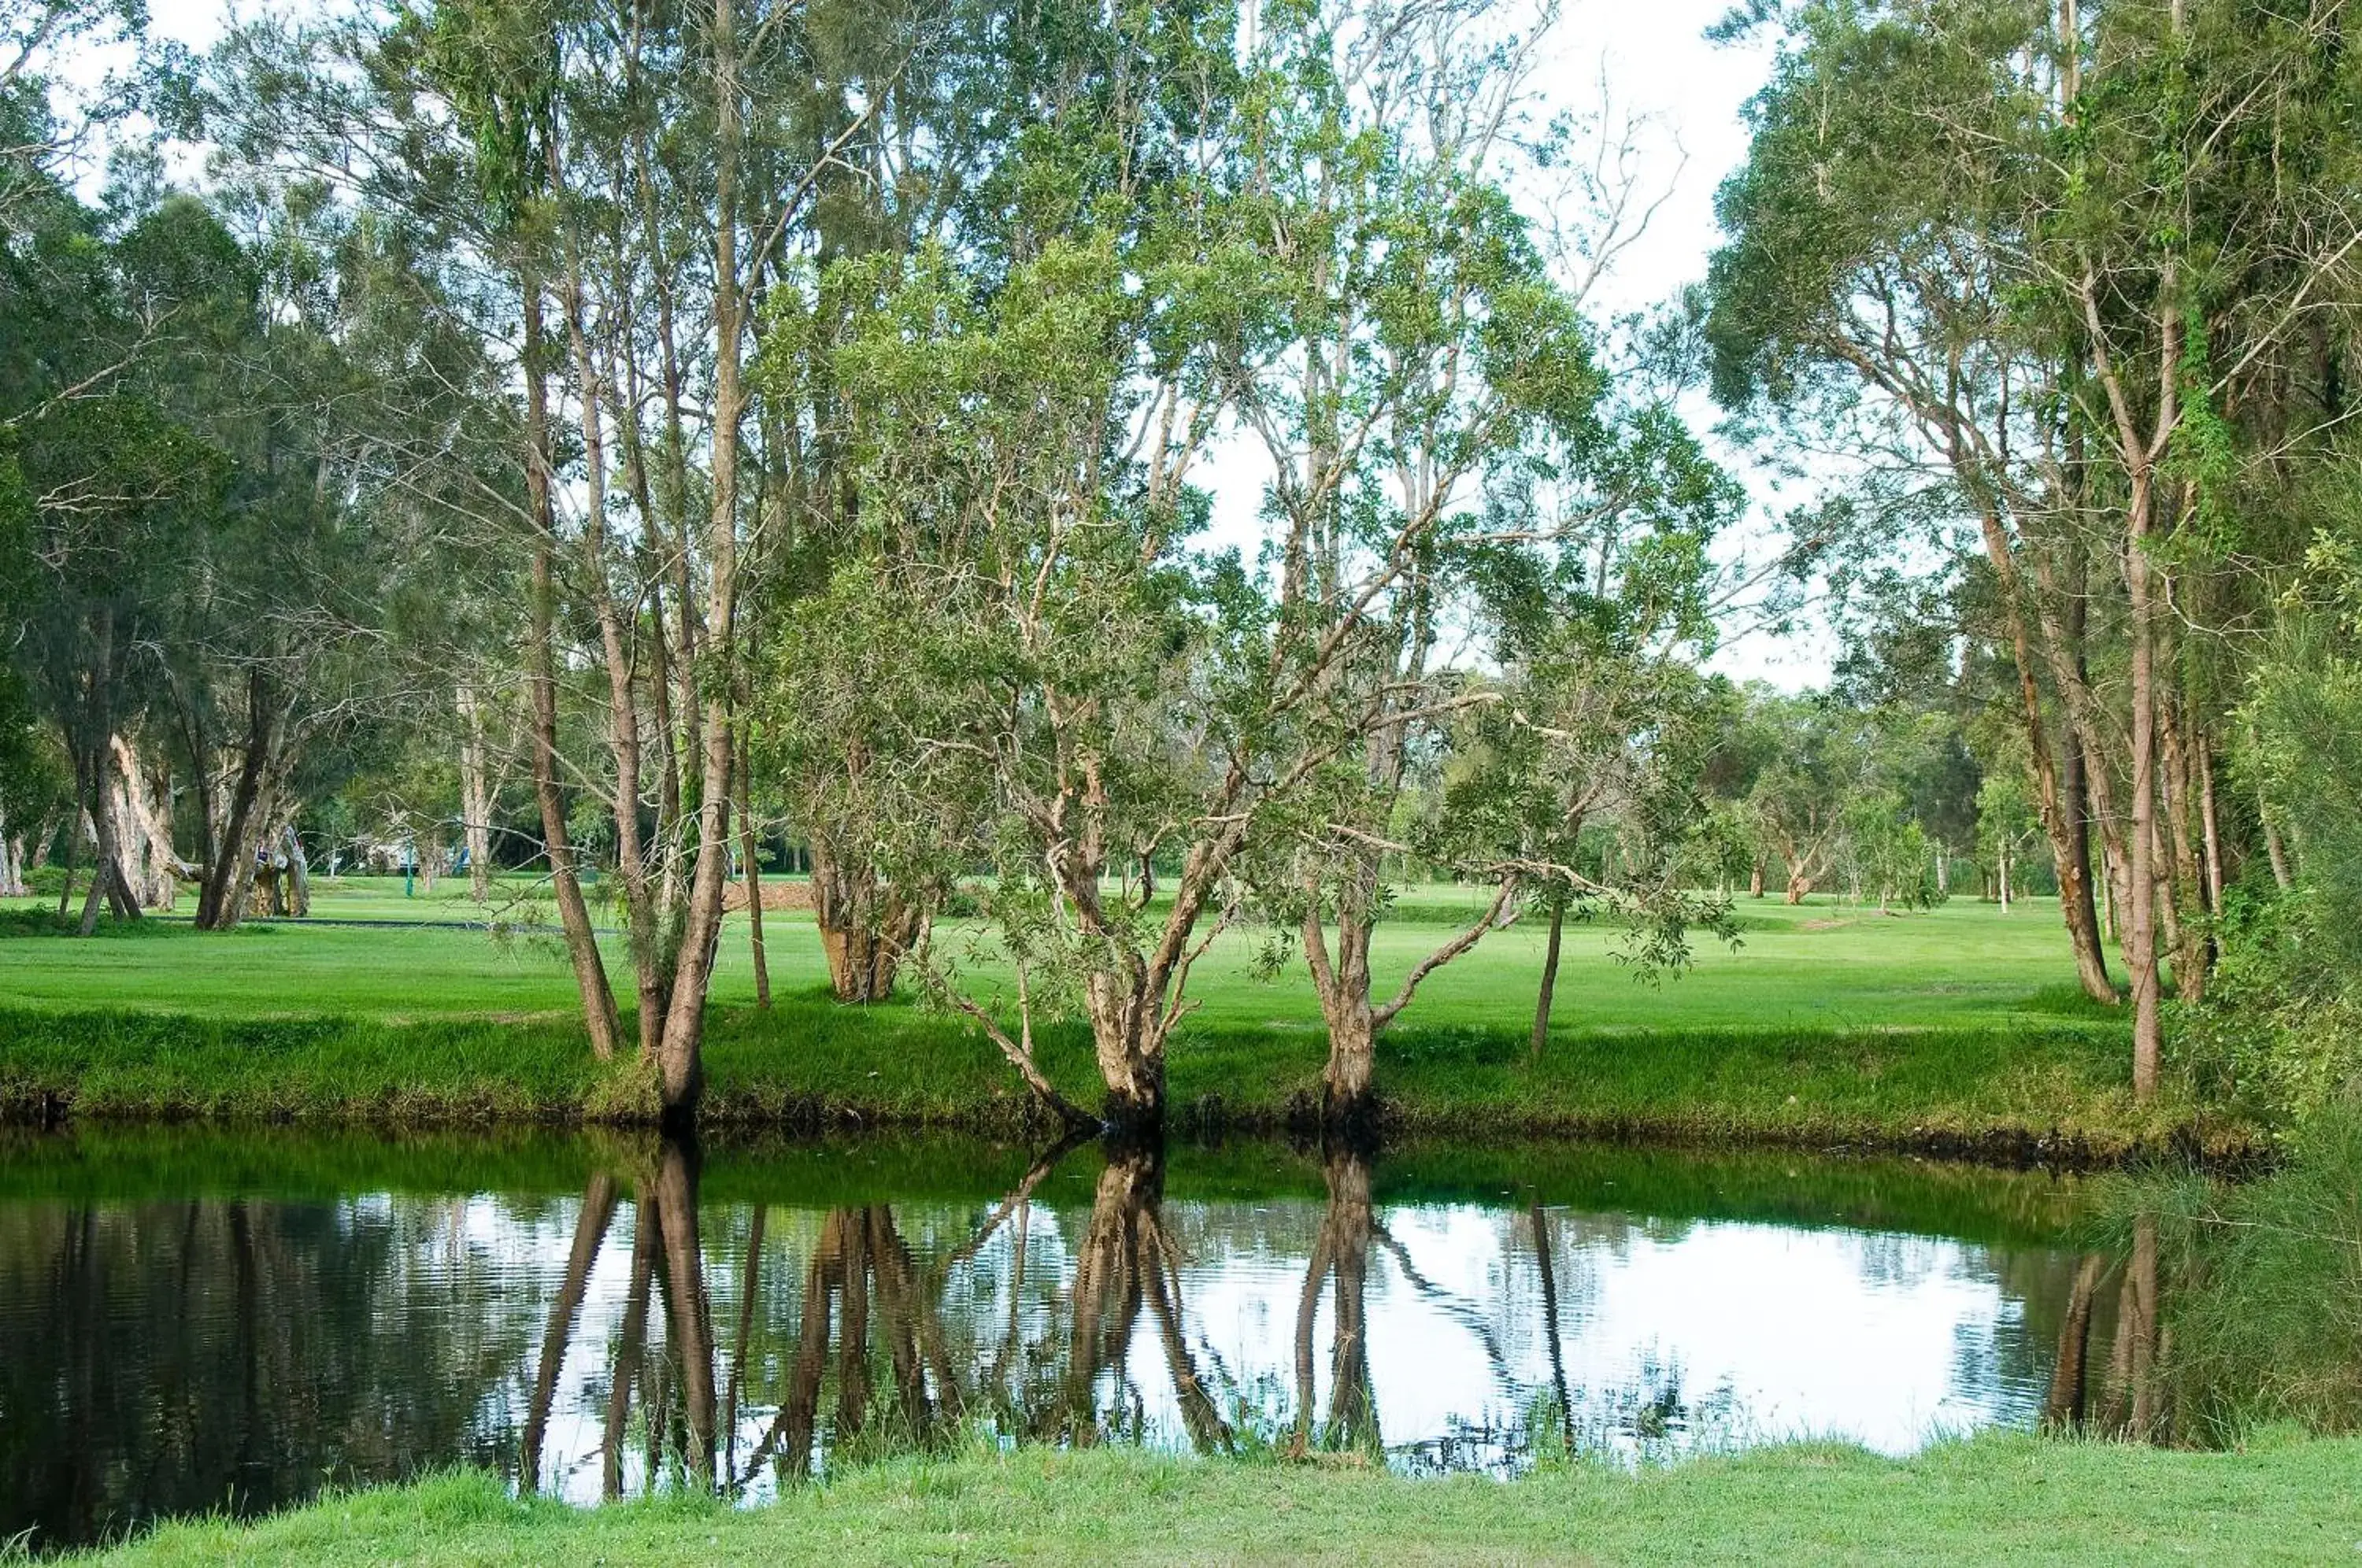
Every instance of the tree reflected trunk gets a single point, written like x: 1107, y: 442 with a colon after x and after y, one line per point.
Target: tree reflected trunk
x: 2067, y: 1404
x: 862, y: 1277
x: 1128, y: 1262
x: 689, y: 1321
x: 590, y: 1230
x: 630, y: 1349
x: 1340, y: 1256
x: 1549, y: 1278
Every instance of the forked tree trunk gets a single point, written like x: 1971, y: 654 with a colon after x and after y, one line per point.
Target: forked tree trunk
x: 866, y: 926
x: 2059, y: 797
x: 1799, y: 887
x: 1341, y: 1255
x: 1130, y: 1048
x: 1342, y: 981
x: 574, y: 912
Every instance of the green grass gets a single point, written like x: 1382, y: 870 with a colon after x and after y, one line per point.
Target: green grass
x: 1952, y: 1030
x: 1997, y: 1498
x: 1818, y: 965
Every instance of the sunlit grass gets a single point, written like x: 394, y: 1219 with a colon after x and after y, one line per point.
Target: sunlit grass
x: 1820, y: 965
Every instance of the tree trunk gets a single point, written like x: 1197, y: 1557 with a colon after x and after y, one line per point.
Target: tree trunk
x: 143, y: 817
x: 1550, y: 977
x: 681, y: 1071
x: 2277, y: 850
x: 1348, y: 1080
x: 1130, y: 1049
x: 2005, y: 875
x: 651, y: 973
x: 299, y: 872
x: 574, y: 913
x: 221, y: 902
x: 1799, y: 887
x: 866, y: 924
x: 2211, y: 819
x: 751, y: 874
x: 2141, y: 914
x: 2075, y: 881
x: 2059, y: 802
x: 475, y: 795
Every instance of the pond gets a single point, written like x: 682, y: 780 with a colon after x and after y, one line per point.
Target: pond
x: 194, y: 1320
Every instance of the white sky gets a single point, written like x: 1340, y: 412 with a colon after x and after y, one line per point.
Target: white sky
x: 1655, y: 62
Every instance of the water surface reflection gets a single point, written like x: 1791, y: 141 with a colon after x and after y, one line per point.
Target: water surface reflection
x: 189, y: 1321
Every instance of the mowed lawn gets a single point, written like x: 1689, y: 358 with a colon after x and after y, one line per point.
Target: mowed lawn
x: 1823, y: 965
x: 2003, y: 1498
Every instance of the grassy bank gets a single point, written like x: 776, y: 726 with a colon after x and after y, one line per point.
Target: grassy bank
x: 1944, y: 1031
x: 1994, y: 1499
x: 808, y: 1064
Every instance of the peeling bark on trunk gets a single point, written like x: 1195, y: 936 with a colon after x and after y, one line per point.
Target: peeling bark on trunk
x: 1340, y: 979
x: 299, y: 872
x: 144, y: 817
x: 1130, y: 1048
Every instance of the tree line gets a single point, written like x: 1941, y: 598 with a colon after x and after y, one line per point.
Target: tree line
x: 630, y: 433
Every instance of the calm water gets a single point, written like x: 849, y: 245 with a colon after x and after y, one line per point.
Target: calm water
x: 191, y: 1322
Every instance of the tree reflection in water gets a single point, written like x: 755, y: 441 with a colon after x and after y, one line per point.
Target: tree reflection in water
x: 648, y: 1334
x: 2127, y: 1398
x: 1340, y: 1255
